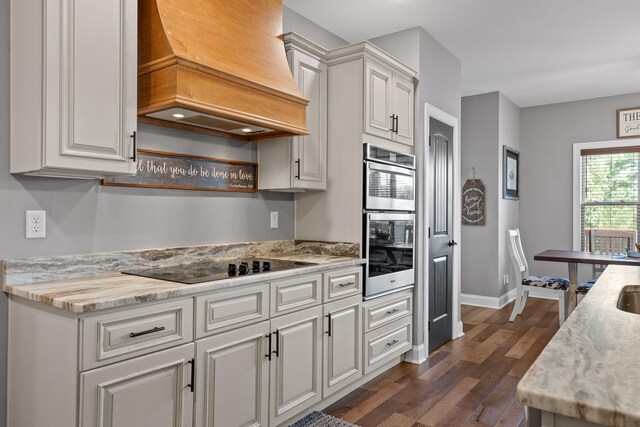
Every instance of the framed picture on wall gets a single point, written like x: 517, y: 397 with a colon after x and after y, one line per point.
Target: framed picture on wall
x: 510, y: 173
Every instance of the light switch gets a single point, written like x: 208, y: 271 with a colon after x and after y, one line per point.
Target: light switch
x: 274, y: 219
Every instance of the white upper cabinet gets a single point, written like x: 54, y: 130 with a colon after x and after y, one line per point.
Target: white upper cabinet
x: 73, y: 87
x: 378, y: 119
x: 386, y: 97
x: 300, y: 163
x: 402, y: 96
x: 388, y: 103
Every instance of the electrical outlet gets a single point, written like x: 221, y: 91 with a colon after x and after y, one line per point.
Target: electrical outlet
x: 274, y: 219
x: 36, y: 224
x: 505, y: 280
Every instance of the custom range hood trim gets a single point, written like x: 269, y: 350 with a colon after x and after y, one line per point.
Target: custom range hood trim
x: 200, y: 68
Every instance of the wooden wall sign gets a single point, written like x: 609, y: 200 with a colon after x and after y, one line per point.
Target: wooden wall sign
x: 159, y: 169
x: 628, y: 122
x: 473, y: 206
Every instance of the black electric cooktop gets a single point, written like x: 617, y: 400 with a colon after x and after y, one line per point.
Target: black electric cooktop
x: 209, y: 271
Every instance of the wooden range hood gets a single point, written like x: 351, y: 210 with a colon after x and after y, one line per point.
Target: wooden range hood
x: 217, y: 67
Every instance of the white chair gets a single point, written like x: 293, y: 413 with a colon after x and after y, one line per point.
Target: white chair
x: 553, y: 285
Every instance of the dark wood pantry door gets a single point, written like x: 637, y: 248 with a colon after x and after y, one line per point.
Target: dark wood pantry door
x: 440, y: 233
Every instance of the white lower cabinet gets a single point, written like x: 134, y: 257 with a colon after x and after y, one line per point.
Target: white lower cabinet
x: 342, y: 349
x: 295, y: 363
x: 153, y: 390
x: 244, y: 365
x: 233, y: 378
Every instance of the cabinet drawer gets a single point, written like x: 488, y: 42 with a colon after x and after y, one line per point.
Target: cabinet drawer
x: 385, y: 343
x: 231, y: 308
x: 384, y: 310
x: 342, y: 283
x: 295, y: 294
x: 129, y: 333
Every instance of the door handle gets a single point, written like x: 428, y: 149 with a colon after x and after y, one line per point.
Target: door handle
x: 297, y: 162
x: 452, y: 243
x: 192, y: 383
x: 148, y: 331
x: 268, y: 355
x: 277, y: 351
x: 135, y: 147
x: 328, y: 332
x: 395, y: 127
x: 393, y: 122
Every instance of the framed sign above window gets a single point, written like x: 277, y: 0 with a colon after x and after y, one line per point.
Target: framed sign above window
x: 628, y: 122
x: 510, y: 173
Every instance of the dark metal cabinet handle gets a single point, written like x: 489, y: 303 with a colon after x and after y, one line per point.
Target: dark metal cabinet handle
x: 342, y: 285
x: 452, y: 243
x: 393, y: 121
x: 191, y: 384
x: 328, y: 316
x: 395, y: 126
x: 395, y: 310
x: 389, y: 344
x: 277, y: 351
x: 149, y: 331
x: 135, y: 146
x: 297, y: 162
x: 268, y: 355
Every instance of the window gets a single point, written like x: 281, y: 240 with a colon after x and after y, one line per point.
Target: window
x: 609, y: 199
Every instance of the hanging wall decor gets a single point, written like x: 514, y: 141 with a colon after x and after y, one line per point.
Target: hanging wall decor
x: 473, y: 205
x: 510, y: 173
x: 159, y: 169
x: 628, y: 122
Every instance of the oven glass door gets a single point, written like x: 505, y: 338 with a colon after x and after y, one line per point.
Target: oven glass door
x: 389, y: 253
x: 389, y: 187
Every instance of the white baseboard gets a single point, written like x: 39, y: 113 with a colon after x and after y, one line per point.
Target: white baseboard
x: 458, y: 332
x: 417, y: 354
x: 488, y: 302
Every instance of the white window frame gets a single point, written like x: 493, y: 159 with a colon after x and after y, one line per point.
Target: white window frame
x: 577, y: 177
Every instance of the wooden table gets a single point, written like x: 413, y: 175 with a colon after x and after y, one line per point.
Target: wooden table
x: 573, y: 258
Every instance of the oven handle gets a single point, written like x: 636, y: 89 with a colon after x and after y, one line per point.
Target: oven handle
x: 371, y: 165
x: 377, y: 216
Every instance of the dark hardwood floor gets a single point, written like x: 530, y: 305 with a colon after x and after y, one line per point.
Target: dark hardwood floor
x: 470, y: 381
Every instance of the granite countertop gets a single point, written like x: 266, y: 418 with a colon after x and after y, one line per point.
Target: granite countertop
x: 91, y: 293
x: 590, y: 370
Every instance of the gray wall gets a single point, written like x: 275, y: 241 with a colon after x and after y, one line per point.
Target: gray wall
x: 489, y: 121
x: 439, y: 74
x: 509, y: 210
x: 547, y: 134
x: 479, y: 142
x: 294, y: 22
x: 83, y: 216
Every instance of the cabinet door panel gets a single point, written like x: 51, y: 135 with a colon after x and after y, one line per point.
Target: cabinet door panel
x: 342, y: 348
x: 233, y: 378
x: 148, y: 391
x: 98, y: 101
x: 403, y: 108
x: 311, y: 150
x: 377, y: 100
x: 295, y: 371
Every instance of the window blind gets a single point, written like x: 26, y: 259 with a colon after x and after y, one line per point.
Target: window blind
x: 610, y: 201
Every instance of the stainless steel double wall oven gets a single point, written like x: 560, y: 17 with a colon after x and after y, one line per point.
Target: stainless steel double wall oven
x: 389, y: 220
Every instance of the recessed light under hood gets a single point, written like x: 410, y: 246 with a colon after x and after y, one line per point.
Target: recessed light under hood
x: 217, y: 67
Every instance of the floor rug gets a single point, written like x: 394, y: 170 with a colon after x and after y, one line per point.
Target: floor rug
x: 320, y: 419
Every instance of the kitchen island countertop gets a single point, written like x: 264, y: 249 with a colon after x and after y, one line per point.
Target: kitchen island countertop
x: 590, y: 370
x: 91, y: 293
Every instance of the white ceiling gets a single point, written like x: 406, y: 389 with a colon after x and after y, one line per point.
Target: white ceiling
x: 534, y: 51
